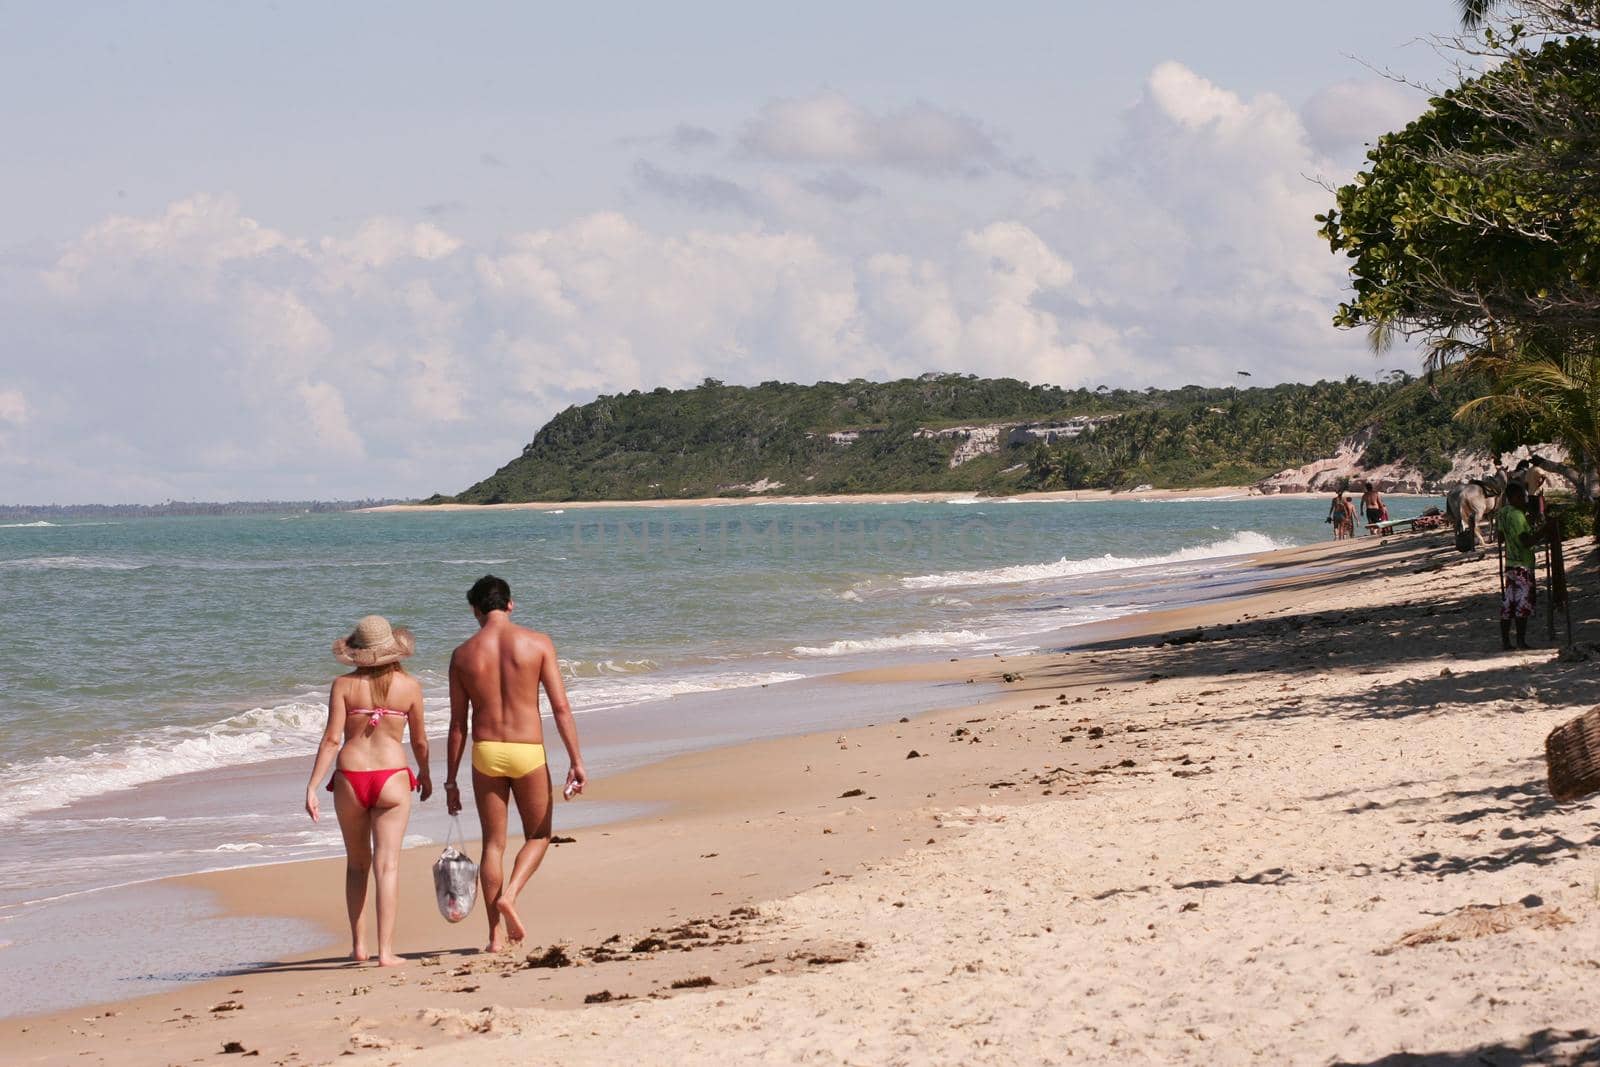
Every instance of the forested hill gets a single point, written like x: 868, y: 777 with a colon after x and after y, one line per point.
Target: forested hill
x: 955, y: 432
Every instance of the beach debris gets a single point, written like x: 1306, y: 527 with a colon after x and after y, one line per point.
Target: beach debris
x: 1096, y: 732
x: 1010, y: 677
x: 1193, y: 905
x: 913, y: 754
x: 824, y: 961
x: 605, y: 996
x: 554, y: 956
x: 960, y: 731
x: 1126, y: 763
x: 559, y: 840
x: 465, y: 989
x: 232, y: 1047
x: 852, y: 793
x: 227, y: 1005
x: 1481, y: 920
x: 648, y: 944
x: 904, y: 719
x: 694, y: 983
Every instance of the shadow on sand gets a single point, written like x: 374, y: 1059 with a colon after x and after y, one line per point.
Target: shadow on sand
x: 1553, y: 1047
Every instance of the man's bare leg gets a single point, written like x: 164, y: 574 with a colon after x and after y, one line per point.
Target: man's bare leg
x: 493, y: 795
x: 355, y: 823
x: 533, y: 805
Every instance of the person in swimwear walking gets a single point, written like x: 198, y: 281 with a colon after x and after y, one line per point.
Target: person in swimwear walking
x: 496, y: 674
x: 370, y: 710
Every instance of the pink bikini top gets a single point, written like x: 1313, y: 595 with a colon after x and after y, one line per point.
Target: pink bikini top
x: 375, y: 715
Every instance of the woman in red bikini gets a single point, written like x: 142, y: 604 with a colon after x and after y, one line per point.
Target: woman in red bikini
x: 369, y: 712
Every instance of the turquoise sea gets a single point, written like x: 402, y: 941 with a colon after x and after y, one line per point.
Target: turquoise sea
x: 162, y: 681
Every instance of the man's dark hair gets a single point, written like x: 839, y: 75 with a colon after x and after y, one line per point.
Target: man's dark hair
x: 1517, y: 489
x: 489, y: 594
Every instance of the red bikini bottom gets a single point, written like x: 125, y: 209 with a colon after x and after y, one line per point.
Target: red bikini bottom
x: 368, y: 784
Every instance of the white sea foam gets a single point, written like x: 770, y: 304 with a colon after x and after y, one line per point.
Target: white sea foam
x: 916, y: 639
x: 250, y: 737
x: 1195, y: 499
x: 486, y: 562
x: 1239, y: 544
x: 590, y: 694
x: 26, y: 525
x: 582, y: 668
x: 70, y: 563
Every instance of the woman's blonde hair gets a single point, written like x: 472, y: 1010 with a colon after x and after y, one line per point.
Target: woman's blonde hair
x: 378, y: 679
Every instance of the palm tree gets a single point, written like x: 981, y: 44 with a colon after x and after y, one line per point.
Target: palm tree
x: 1554, y: 388
x: 1473, y: 12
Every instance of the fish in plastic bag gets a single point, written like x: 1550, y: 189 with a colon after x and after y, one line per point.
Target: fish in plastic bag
x: 455, y: 882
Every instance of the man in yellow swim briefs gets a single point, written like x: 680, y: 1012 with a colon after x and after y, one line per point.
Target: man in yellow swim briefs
x: 496, y: 675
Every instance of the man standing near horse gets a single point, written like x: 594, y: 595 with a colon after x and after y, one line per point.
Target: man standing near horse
x: 1521, y: 590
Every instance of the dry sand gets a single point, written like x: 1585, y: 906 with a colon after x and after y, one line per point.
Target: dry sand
x: 1313, y: 831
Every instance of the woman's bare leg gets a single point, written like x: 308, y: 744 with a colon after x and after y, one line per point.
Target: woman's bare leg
x: 389, y: 817
x: 355, y: 823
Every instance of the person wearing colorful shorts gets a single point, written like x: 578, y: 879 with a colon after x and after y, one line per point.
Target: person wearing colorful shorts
x: 1521, y: 591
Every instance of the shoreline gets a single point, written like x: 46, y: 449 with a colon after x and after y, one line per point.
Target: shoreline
x: 930, y: 497
x: 714, y: 793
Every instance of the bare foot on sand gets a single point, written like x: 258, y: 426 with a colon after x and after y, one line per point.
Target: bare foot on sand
x: 358, y: 952
x: 497, y: 945
x: 391, y: 961
x: 508, y: 911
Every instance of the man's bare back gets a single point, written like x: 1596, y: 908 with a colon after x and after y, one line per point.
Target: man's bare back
x: 501, y: 669
x: 495, y: 677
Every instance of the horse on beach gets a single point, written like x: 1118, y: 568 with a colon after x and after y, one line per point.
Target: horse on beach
x: 1472, y: 503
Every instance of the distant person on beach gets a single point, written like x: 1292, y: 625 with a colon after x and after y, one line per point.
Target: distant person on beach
x: 1372, y: 503
x: 496, y: 674
x: 370, y: 711
x: 1343, y: 516
x: 1521, y: 591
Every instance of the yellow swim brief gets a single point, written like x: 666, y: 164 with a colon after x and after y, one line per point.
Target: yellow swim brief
x: 506, y: 759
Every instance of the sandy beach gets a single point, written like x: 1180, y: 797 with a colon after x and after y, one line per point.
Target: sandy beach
x: 1309, y: 825
x: 1213, y: 492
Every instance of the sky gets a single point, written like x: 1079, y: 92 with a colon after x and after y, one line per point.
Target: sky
x: 341, y: 251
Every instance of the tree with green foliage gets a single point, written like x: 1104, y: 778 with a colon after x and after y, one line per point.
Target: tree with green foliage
x: 856, y: 437
x: 1477, y: 227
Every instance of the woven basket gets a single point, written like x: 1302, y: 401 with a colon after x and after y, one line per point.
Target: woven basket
x: 1572, y: 756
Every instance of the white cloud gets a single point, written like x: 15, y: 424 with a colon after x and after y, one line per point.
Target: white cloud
x: 13, y: 407
x: 831, y: 128
x: 1346, y: 115
x: 199, y: 352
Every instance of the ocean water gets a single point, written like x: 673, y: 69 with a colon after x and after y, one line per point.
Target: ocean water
x: 163, y: 681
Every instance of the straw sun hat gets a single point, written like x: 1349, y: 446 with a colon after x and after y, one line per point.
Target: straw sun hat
x: 373, y: 643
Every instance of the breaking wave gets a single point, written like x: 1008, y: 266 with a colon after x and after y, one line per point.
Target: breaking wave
x: 1239, y: 544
